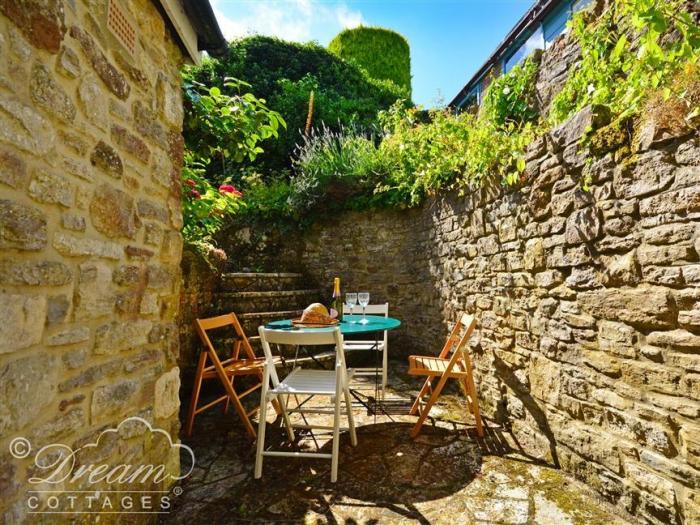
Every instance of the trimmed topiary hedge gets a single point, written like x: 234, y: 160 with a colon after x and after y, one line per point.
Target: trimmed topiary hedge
x: 383, y: 53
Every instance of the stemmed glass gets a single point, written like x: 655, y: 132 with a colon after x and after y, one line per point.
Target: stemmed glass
x: 351, y: 301
x: 363, y: 299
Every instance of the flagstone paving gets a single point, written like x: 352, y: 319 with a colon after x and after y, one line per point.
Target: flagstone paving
x: 446, y: 476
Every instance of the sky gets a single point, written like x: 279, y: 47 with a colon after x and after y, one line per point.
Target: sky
x: 449, y: 39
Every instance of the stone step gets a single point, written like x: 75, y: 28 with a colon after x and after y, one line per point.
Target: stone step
x: 266, y: 301
x: 261, y: 282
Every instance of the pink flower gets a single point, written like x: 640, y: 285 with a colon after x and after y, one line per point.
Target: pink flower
x: 195, y: 194
x: 190, y: 183
x: 232, y: 190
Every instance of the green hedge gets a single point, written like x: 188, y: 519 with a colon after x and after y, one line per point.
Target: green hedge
x: 384, y: 54
x: 283, y: 73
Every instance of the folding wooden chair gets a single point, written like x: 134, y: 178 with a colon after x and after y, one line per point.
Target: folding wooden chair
x: 458, y: 366
x: 381, y: 345
x: 225, y: 371
x: 305, y: 383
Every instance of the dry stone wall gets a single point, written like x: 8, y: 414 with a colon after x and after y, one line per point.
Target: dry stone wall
x: 90, y: 156
x: 588, y: 343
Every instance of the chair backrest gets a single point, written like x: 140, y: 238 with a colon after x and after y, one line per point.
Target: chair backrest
x: 322, y: 336
x: 371, y: 309
x: 221, y: 321
x: 465, y: 325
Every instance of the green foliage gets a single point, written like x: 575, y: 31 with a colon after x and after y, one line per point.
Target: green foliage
x: 283, y: 74
x: 383, y: 53
x: 633, y: 49
x: 511, y: 98
x: 223, y: 127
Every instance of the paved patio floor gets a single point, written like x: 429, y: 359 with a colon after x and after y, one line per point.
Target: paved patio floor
x: 446, y: 475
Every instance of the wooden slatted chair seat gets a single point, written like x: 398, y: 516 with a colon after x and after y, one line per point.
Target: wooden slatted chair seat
x: 458, y: 366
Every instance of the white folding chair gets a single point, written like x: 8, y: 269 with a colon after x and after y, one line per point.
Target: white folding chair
x: 378, y: 345
x: 306, y: 383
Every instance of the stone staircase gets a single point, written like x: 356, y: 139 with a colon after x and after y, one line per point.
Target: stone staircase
x: 259, y: 298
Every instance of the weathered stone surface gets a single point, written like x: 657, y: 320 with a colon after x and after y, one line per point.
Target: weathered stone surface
x: 13, y: 170
x: 73, y: 246
x: 644, y: 307
x: 583, y: 226
x: 585, y: 121
x: 149, y: 209
x: 27, y: 387
x: 41, y: 21
x: 167, y: 399
x: 22, y: 126
x: 94, y: 296
x: 113, y: 212
x: 68, y: 63
x: 22, y: 321
x: 109, y: 74
x: 73, y: 222
x: 617, y: 338
x: 70, y: 336
x: 39, y: 273
x: 114, y: 337
x: 622, y: 270
x: 114, y: 399
x: 130, y: 143
x: 681, y: 201
x: 675, y: 339
x: 147, y: 125
x: 57, y: 309
x: 93, y: 103
x: 21, y: 227
x: 107, y: 159
x: 49, y: 96
x: 51, y: 188
x: 648, y: 173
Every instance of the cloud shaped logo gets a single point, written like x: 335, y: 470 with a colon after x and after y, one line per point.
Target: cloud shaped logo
x: 57, y: 462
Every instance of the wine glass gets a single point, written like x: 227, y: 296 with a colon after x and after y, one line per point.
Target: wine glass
x: 351, y: 301
x: 363, y: 298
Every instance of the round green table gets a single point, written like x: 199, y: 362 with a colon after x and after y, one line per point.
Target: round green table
x: 349, y: 325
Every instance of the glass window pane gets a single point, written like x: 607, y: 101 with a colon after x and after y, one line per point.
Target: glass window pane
x: 534, y: 41
x: 555, y: 23
x: 577, y: 5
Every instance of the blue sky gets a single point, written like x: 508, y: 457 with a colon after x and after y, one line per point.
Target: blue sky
x: 449, y: 39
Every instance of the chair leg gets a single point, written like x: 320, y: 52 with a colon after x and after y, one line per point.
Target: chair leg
x: 424, y: 389
x: 285, y: 417
x: 385, y: 368
x: 351, y: 419
x: 260, y: 445
x: 471, y: 388
x: 195, y: 393
x: 336, y: 439
x: 431, y: 401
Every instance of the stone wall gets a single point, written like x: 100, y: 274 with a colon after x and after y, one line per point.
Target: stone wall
x: 90, y: 155
x: 588, y: 344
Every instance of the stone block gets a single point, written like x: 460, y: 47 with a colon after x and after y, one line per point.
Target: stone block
x: 73, y: 246
x: 23, y: 318
x: 683, y: 201
x: 646, y: 174
x: 68, y: 63
x: 675, y: 339
x: 13, y: 170
x: 117, y: 336
x: 73, y: 222
x: 41, y: 22
x: 617, y: 338
x: 113, y: 400
x: 583, y: 226
x: 167, y: 399
x: 113, y: 212
x: 51, y: 188
x: 49, y: 96
x: 665, y: 255
x: 94, y: 296
x: 650, y: 481
x: 93, y: 103
x: 130, y: 143
x: 622, y: 270
x: 642, y: 307
x: 106, y: 158
x: 27, y: 388
x: 21, y: 227
x: 582, y: 123
x: 110, y: 75
x: 39, y: 273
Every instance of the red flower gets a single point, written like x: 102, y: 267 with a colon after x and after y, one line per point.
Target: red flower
x: 232, y: 190
x: 195, y: 194
x: 191, y: 183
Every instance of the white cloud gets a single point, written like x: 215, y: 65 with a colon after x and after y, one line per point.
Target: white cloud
x: 296, y: 20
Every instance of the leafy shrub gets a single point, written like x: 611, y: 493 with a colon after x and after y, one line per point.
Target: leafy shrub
x: 512, y: 98
x: 283, y: 74
x: 632, y: 49
x: 218, y: 126
x: 383, y: 53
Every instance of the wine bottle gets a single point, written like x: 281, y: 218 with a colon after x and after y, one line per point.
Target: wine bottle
x: 337, y: 301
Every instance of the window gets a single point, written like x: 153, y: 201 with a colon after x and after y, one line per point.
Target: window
x: 534, y: 41
x: 555, y: 23
x: 577, y: 5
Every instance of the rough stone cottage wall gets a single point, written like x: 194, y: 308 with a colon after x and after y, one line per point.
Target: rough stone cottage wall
x: 90, y: 153
x: 588, y: 304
